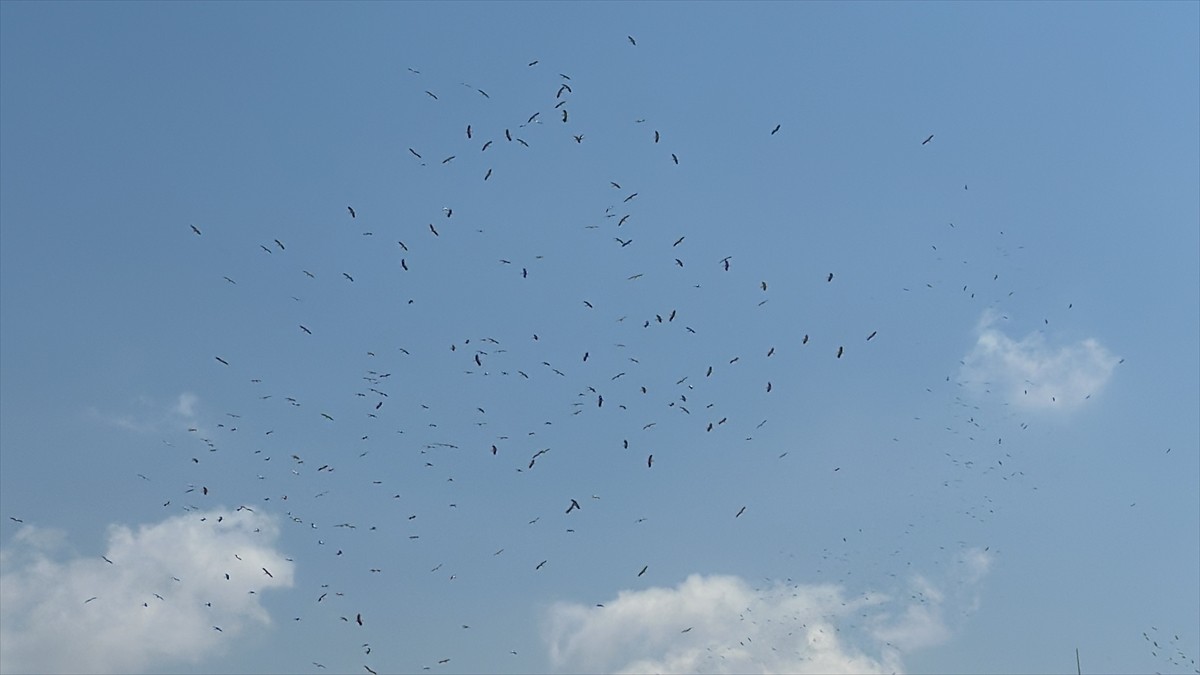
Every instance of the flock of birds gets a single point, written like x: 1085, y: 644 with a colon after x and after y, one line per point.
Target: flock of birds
x: 640, y: 411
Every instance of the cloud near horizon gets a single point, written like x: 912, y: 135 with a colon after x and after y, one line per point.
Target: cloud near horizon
x: 720, y: 624
x: 151, y: 602
x: 1032, y: 374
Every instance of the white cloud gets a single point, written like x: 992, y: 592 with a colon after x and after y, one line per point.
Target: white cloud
x: 154, y: 416
x: 734, y: 628
x: 1032, y: 374
x: 46, y: 625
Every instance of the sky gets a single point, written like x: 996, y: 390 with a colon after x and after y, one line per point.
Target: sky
x: 575, y: 337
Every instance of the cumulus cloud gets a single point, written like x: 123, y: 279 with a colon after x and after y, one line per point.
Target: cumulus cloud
x: 720, y: 624
x: 1033, y: 374
x: 155, y: 604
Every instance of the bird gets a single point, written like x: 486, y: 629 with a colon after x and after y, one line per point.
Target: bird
x: 434, y: 230
x: 195, y: 229
x: 485, y: 146
x: 305, y: 329
x: 632, y: 41
x: 415, y: 154
x: 488, y: 174
x: 872, y: 335
x: 348, y: 276
x: 359, y: 619
x: 15, y: 520
x: 268, y: 573
x: 370, y: 671
x: 674, y: 158
x: 468, y: 131
x: 574, y: 505
x: 656, y: 135
x: 578, y: 138
x: 351, y: 209
x: 431, y: 94
x: 541, y: 564
x: 91, y: 599
x: 840, y: 350
x: 223, y: 361
x: 740, y: 512
x: 829, y: 278
x: 927, y: 139
x: 643, y: 570
x: 650, y: 462
x: 773, y: 131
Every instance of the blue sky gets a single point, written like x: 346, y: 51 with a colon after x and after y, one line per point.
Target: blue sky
x: 1001, y: 466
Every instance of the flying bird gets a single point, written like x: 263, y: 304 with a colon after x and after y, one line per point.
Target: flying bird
x: 223, y: 361
x: 351, y: 209
x: 631, y: 40
x: 348, y: 276
x: 643, y: 570
x: 305, y: 329
x: 740, y: 512
x: 195, y: 229
x: 840, y: 350
x: 872, y: 335
x: 674, y: 158
x: 415, y: 154
x: 649, y: 464
x: 927, y: 139
x: 431, y: 94
x: 773, y: 131
x: 541, y: 564
x: 434, y: 230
